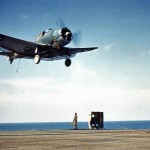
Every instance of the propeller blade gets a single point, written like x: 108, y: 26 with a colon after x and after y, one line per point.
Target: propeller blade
x: 60, y: 22
x: 77, y: 37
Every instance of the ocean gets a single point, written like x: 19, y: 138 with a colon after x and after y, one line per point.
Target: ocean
x: 108, y: 125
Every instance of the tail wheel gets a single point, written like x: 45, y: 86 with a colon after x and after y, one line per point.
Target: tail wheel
x: 37, y: 59
x: 68, y: 62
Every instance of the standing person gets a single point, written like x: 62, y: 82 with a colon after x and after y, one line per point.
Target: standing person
x: 89, y: 123
x: 75, y: 121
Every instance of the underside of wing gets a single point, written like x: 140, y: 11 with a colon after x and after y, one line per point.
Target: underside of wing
x: 16, y: 45
x: 23, y: 48
x: 79, y: 50
x: 4, y: 53
x: 66, y: 52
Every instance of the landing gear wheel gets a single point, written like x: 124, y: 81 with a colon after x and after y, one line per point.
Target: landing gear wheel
x: 37, y: 59
x: 68, y: 62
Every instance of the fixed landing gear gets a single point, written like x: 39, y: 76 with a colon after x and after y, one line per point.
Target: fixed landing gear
x: 68, y: 62
x: 37, y: 59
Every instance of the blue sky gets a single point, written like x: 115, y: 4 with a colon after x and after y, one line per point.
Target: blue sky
x: 113, y: 79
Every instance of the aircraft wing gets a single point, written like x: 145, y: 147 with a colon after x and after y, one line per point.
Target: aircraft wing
x: 4, y: 53
x: 73, y: 51
x: 79, y: 50
x: 62, y: 52
x: 16, y: 45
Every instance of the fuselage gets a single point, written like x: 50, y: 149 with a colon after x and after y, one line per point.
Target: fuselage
x: 54, y: 37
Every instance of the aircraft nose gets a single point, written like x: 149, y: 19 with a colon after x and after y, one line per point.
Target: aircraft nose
x: 69, y: 36
x: 66, y: 34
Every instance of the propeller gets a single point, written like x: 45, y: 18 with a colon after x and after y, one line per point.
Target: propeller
x: 77, y: 38
x: 76, y: 35
x: 60, y: 23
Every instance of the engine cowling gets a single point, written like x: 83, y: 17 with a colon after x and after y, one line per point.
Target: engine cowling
x: 64, y: 37
x: 66, y: 34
